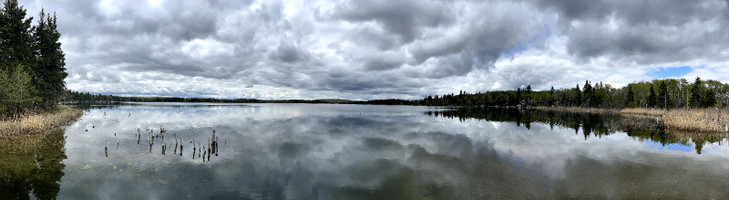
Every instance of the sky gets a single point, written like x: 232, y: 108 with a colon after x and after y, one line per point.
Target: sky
x: 309, y: 49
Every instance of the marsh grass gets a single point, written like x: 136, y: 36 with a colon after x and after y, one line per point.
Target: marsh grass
x: 702, y: 120
x: 577, y: 109
x: 643, y: 111
x: 707, y: 120
x: 38, y: 122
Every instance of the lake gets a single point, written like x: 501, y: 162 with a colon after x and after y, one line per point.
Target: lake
x: 325, y: 151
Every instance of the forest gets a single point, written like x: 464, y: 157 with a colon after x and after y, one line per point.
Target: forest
x: 32, y: 64
x: 84, y: 98
x: 662, y: 93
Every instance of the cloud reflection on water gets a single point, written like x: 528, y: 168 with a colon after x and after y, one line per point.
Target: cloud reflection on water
x: 303, y: 151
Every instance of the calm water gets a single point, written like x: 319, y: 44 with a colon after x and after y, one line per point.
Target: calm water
x: 305, y: 151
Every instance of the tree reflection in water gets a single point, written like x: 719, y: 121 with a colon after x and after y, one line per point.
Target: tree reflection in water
x: 591, y: 124
x: 32, y: 165
x: 332, y: 152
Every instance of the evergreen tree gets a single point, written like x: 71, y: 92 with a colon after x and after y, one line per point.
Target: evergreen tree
x: 588, y: 93
x: 578, y: 96
x: 709, y: 99
x: 663, y: 95
x: 696, y: 93
x: 15, y: 40
x: 50, y: 70
x: 551, y: 96
x: 518, y: 95
x: 31, y: 61
x: 586, y: 90
x: 652, y: 98
x: 630, y: 97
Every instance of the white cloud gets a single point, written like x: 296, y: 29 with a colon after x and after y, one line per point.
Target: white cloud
x: 379, y: 49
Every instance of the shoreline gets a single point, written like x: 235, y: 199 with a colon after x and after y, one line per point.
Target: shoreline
x: 704, y: 120
x: 39, y: 122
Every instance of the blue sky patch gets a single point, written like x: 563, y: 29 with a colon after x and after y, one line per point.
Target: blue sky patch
x: 670, y: 147
x: 670, y: 72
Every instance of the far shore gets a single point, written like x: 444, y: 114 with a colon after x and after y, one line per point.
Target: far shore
x: 38, y: 122
x: 705, y: 120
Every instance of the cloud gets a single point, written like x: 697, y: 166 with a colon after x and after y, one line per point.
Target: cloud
x: 379, y: 49
x: 406, y: 18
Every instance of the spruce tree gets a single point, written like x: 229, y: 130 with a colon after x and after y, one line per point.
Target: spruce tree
x: 652, y: 98
x: 709, y: 99
x: 588, y: 94
x: 15, y: 40
x: 50, y: 69
x: 578, y: 97
x: 696, y: 93
x: 663, y: 95
x: 630, y: 97
x: 552, y: 99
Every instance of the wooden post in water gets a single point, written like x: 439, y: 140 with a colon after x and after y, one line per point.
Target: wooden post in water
x: 175, y: 153
x: 106, y: 152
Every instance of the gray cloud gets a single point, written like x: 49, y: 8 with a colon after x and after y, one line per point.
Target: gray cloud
x: 406, y: 18
x: 647, y: 32
x: 378, y: 49
x: 289, y: 53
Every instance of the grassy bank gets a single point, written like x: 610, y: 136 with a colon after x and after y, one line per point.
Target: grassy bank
x: 37, y: 122
x: 708, y: 120
x: 700, y: 120
x: 578, y: 109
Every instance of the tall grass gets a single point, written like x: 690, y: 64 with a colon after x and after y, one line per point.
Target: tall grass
x: 37, y: 122
x: 698, y: 120
x: 703, y: 120
x: 576, y: 109
x: 707, y: 120
x: 643, y: 111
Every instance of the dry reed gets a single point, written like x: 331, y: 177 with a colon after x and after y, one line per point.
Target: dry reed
x: 708, y: 120
x: 702, y: 120
x: 38, y: 122
x: 643, y: 111
x: 576, y: 109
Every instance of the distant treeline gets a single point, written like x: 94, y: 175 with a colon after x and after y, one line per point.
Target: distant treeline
x: 664, y: 93
x: 74, y: 97
x: 32, y: 64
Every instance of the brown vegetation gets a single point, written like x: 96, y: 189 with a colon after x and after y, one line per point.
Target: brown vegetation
x: 703, y: 120
x: 698, y: 120
x: 643, y: 111
x: 707, y: 120
x: 576, y: 109
x: 37, y: 122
